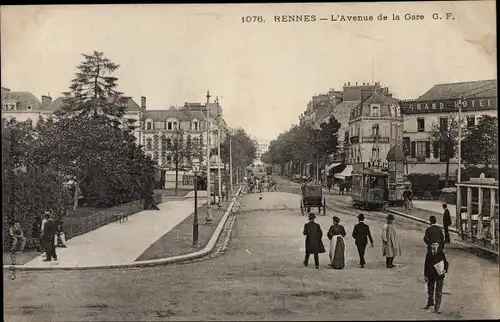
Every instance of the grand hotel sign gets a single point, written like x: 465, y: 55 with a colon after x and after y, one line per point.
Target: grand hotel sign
x: 468, y: 104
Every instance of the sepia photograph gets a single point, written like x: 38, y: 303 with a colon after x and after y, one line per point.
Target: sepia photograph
x: 250, y: 162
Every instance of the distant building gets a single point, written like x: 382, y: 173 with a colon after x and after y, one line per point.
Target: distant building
x: 24, y: 106
x: 434, y: 107
x: 262, y: 147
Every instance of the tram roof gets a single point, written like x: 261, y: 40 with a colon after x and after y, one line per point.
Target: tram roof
x: 371, y: 173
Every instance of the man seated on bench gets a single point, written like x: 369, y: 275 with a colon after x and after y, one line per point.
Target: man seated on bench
x: 150, y: 203
x: 16, y: 235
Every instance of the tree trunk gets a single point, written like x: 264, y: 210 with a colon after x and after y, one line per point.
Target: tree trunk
x: 75, y: 195
x: 176, y: 177
x: 447, y: 172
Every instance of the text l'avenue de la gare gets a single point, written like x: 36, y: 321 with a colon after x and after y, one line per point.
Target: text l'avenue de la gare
x: 310, y: 18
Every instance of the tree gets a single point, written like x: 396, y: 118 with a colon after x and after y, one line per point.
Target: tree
x: 326, y: 140
x: 480, y: 145
x: 93, y: 91
x: 29, y: 188
x: 242, y: 146
x: 444, y: 134
x: 179, y: 153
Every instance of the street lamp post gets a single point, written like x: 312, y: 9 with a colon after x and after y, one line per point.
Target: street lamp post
x: 195, y: 219
x: 209, y: 211
x: 218, y: 151
x: 230, y: 164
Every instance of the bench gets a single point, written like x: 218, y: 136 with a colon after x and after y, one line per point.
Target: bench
x: 120, y: 217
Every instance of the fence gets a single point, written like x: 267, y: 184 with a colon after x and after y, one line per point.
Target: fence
x: 75, y: 226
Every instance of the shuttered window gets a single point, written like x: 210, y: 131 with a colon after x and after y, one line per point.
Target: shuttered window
x: 435, y: 148
x: 413, y: 149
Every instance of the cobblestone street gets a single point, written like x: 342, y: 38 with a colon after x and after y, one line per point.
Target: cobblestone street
x: 261, y: 276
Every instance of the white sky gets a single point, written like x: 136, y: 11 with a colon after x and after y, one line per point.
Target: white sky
x: 266, y: 73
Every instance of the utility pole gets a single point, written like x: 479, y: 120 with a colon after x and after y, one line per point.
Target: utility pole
x: 209, y: 211
x: 219, y: 175
x: 459, y: 159
x: 230, y: 164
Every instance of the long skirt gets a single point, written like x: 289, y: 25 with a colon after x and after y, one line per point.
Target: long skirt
x: 337, y: 252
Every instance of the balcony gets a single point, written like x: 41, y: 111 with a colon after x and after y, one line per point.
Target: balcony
x: 371, y: 139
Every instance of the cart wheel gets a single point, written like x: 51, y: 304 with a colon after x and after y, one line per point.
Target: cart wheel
x: 427, y: 195
x: 302, y: 207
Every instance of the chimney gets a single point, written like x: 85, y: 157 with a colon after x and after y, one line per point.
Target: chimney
x: 143, y: 102
x: 46, y: 100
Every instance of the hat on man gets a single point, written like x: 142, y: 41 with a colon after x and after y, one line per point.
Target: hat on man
x: 361, y: 217
x: 311, y: 216
x: 336, y: 219
x: 390, y: 217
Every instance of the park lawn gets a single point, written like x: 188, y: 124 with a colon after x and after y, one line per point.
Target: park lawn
x: 179, y: 240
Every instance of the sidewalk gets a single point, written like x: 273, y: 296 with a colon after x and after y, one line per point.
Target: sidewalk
x: 119, y: 243
x: 434, y: 206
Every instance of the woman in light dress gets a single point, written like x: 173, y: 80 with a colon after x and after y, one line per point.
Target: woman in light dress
x: 336, y: 234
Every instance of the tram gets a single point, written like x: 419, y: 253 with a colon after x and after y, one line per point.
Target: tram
x: 477, y: 213
x: 370, y: 186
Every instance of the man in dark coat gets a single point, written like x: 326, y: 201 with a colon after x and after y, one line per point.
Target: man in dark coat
x: 361, y: 234
x: 314, y: 245
x: 434, y: 277
x: 49, y: 234
x: 433, y: 234
x: 446, y: 223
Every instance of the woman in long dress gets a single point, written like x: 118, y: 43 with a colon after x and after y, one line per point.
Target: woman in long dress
x: 336, y: 235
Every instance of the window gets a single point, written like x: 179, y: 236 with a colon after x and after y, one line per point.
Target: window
x: 29, y: 122
x: 406, y: 145
x: 471, y: 121
x: 375, y: 130
x: 435, y: 149
x: 169, y: 126
x: 443, y: 124
x: 169, y: 143
x: 420, y: 124
x: 175, y: 125
x: 423, y: 150
x: 169, y: 158
x: 29, y: 107
x: 195, y: 125
x: 159, y: 125
x: 149, y: 144
x: 148, y: 126
x: 346, y: 136
x: 375, y: 110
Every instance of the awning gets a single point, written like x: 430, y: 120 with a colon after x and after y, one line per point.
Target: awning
x: 347, y: 172
x: 331, y: 166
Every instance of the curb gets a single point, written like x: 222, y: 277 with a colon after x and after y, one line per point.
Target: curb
x: 402, y: 214
x: 149, y: 263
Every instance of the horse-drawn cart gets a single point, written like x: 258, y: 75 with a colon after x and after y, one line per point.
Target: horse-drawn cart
x: 312, y: 197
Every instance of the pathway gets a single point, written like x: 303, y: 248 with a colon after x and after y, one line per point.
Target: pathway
x: 120, y: 243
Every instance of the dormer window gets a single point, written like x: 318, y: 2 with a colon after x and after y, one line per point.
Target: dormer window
x: 169, y: 126
x: 375, y: 110
x: 175, y: 125
x: 149, y: 126
x: 29, y: 107
x: 195, y: 125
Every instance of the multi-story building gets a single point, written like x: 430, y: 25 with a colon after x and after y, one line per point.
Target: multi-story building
x: 434, y: 107
x: 350, y: 97
x: 24, y: 106
x: 261, y: 148
x: 375, y: 126
x: 160, y: 128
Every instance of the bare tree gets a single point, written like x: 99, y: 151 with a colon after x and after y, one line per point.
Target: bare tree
x: 179, y: 153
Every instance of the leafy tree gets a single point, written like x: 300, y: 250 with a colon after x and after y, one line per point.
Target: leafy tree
x: 93, y: 92
x: 480, y: 145
x: 446, y: 137
x: 242, y: 146
x: 326, y: 140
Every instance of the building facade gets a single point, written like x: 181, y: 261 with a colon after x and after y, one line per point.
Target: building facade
x: 24, y: 106
x: 375, y: 126
x: 261, y: 148
x: 434, y: 107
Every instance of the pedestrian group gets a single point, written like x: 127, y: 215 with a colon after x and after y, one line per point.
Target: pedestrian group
x: 435, y: 264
